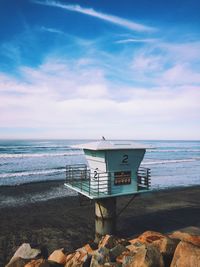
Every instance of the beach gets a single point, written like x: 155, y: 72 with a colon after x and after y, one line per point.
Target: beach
x: 64, y: 223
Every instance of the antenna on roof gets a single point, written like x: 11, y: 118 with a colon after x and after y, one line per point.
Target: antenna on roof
x: 103, y: 138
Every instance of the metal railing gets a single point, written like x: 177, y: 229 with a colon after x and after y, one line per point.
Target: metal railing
x: 102, y: 183
x: 143, y: 178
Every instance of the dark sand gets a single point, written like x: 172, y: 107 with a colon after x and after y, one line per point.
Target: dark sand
x: 64, y: 223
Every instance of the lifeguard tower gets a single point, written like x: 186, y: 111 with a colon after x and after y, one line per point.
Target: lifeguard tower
x: 113, y: 170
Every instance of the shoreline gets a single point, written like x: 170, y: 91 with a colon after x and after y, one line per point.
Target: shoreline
x: 63, y: 223
x: 44, y: 184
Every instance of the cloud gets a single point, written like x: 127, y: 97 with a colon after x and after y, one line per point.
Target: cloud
x: 132, y: 40
x: 51, y: 30
x: 147, y: 62
x: 69, y: 100
x: 181, y: 74
x: 102, y: 16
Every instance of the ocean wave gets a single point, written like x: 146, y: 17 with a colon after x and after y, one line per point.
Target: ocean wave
x: 40, y: 155
x: 30, y: 173
x: 173, y: 150
x: 169, y: 161
x: 36, y: 146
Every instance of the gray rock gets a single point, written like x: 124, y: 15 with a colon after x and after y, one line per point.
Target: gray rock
x: 100, y: 257
x: 116, y: 251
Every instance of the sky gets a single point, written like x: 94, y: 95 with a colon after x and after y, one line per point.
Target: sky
x: 82, y: 69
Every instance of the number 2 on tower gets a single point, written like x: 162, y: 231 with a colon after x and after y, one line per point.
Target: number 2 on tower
x: 125, y: 159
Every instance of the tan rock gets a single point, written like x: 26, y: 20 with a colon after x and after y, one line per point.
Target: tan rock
x: 86, y: 249
x: 25, y: 252
x: 79, y: 258
x: 105, y: 241
x: 135, y: 247
x: 110, y: 241
x: 194, y: 239
x: 186, y: 255
x: 145, y: 256
x: 69, y: 256
x: 17, y: 262
x: 164, y: 244
x: 150, y: 236
x: 121, y: 258
x: 35, y: 263
x: 58, y: 256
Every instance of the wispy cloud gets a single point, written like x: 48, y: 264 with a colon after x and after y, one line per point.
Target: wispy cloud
x: 132, y: 40
x: 106, y: 17
x: 52, y: 30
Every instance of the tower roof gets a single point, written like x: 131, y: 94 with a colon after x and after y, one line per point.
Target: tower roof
x: 111, y: 145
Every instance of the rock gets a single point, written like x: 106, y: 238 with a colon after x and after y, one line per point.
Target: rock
x: 58, y: 256
x: 100, y: 257
x: 25, y: 252
x: 17, y: 262
x: 135, y: 247
x: 110, y: 241
x: 145, y: 256
x: 186, y: 255
x: 194, y: 239
x: 79, y: 258
x: 86, y: 249
x: 35, y: 263
x: 120, y: 258
x: 107, y: 241
x: 112, y: 264
x: 48, y: 263
x: 73, y: 259
x: 69, y: 257
x: 117, y: 251
x: 150, y: 236
x: 164, y: 244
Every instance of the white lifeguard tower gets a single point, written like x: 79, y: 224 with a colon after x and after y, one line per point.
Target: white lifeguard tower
x: 113, y: 170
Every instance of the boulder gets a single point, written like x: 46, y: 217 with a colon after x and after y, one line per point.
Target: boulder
x: 110, y: 241
x: 145, y: 256
x: 17, y: 262
x: 35, y: 263
x: 48, y: 263
x: 100, y: 257
x: 112, y: 264
x: 25, y: 252
x: 194, y: 239
x: 107, y: 241
x: 86, y: 250
x: 186, y: 255
x: 150, y: 236
x: 79, y: 258
x: 58, y: 256
x: 164, y: 244
x: 117, y: 251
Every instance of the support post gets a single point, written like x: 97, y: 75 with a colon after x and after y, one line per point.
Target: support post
x: 105, y: 217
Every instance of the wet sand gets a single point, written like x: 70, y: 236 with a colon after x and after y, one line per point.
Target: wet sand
x: 63, y: 223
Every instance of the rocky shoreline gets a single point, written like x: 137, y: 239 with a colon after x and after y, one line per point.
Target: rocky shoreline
x: 64, y: 223
x: 150, y: 249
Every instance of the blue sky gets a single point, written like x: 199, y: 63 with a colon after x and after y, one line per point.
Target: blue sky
x: 83, y: 69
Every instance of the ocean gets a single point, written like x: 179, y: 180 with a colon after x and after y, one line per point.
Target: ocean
x: 172, y: 163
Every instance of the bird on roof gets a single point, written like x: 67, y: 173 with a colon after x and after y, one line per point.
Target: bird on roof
x: 103, y: 138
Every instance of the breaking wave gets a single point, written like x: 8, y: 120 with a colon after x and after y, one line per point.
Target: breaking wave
x: 40, y: 155
x: 30, y: 173
x: 169, y: 161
